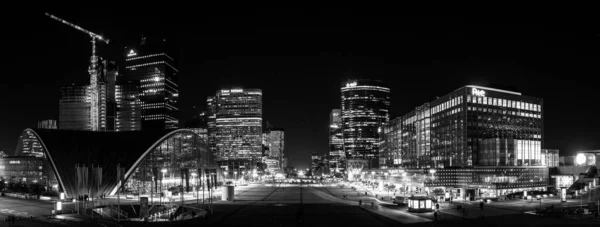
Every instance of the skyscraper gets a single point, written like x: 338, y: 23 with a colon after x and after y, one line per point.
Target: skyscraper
x: 336, y: 140
x: 129, y: 107
x: 150, y: 65
x: 274, y: 141
x: 74, y: 108
x: 109, y: 74
x: 211, y: 123
x: 238, y: 123
x: 365, y: 108
x: 47, y: 124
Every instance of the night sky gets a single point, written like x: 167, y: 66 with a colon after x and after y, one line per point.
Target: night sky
x: 300, y: 57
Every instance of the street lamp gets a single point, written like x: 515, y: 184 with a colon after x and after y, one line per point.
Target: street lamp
x: 161, y: 183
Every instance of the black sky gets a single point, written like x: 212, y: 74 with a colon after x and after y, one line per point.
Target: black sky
x: 299, y: 57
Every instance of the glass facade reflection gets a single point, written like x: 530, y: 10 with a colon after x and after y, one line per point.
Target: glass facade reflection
x: 237, y: 125
x: 365, y: 108
x: 179, y: 162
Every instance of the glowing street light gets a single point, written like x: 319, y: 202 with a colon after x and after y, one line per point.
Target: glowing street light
x: 580, y: 159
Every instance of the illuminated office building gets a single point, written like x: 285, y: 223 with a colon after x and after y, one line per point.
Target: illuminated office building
x: 47, y: 124
x: 211, y: 123
x: 238, y: 123
x: 274, y: 141
x: 74, y: 108
x: 336, y: 140
x: 365, y: 108
x: 128, y: 106
x: 479, y: 139
x: 153, y: 68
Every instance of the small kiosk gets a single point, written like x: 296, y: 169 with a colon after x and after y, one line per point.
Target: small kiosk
x: 420, y: 204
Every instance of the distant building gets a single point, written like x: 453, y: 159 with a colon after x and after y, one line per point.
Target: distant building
x: 319, y: 164
x: 336, y: 140
x: 27, y: 170
x: 154, y: 69
x: 550, y: 157
x: 198, y: 125
x: 74, y: 108
x: 365, y: 108
x: 234, y: 128
x: 128, y: 105
x: 238, y: 121
x: 273, y: 140
x: 47, y: 124
x: 211, y: 123
x: 29, y: 145
x: 273, y: 164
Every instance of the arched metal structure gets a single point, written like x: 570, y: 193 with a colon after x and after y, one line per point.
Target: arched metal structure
x: 66, y: 149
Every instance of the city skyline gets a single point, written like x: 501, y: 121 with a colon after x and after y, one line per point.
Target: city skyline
x: 538, y: 59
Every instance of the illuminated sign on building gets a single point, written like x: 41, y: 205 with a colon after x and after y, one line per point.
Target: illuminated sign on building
x: 353, y: 84
x: 131, y: 53
x: 236, y: 90
x: 478, y: 92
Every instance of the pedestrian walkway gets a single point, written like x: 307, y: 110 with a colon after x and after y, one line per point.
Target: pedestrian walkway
x: 397, y: 215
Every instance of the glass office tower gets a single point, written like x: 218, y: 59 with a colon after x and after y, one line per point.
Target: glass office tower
x: 336, y: 140
x: 237, y: 123
x: 74, y: 108
x: 365, y: 108
x: 151, y: 65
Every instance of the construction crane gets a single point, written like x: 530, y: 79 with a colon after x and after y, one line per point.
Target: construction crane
x: 93, y: 70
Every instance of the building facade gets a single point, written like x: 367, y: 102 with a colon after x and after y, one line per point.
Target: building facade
x: 336, y: 140
x: 237, y: 129
x: 128, y: 106
x: 365, y: 108
x: 475, y: 131
x: 74, y: 108
x: 47, y: 124
x: 273, y: 141
x: 550, y: 157
x: 151, y: 66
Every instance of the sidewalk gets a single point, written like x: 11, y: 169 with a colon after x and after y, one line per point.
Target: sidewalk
x: 397, y: 215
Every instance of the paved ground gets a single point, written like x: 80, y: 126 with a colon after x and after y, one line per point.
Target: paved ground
x: 315, y: 205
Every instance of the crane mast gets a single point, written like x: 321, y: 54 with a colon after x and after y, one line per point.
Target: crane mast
x: 93, y: 70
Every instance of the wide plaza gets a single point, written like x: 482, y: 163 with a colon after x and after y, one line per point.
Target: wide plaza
x: 309, y: 205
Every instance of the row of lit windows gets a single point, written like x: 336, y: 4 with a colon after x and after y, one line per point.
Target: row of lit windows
x: 149, y: 56
x: 504, y: 103
x: 132, y: 67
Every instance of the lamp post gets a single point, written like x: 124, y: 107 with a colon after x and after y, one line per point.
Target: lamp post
x: 161, y: 183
